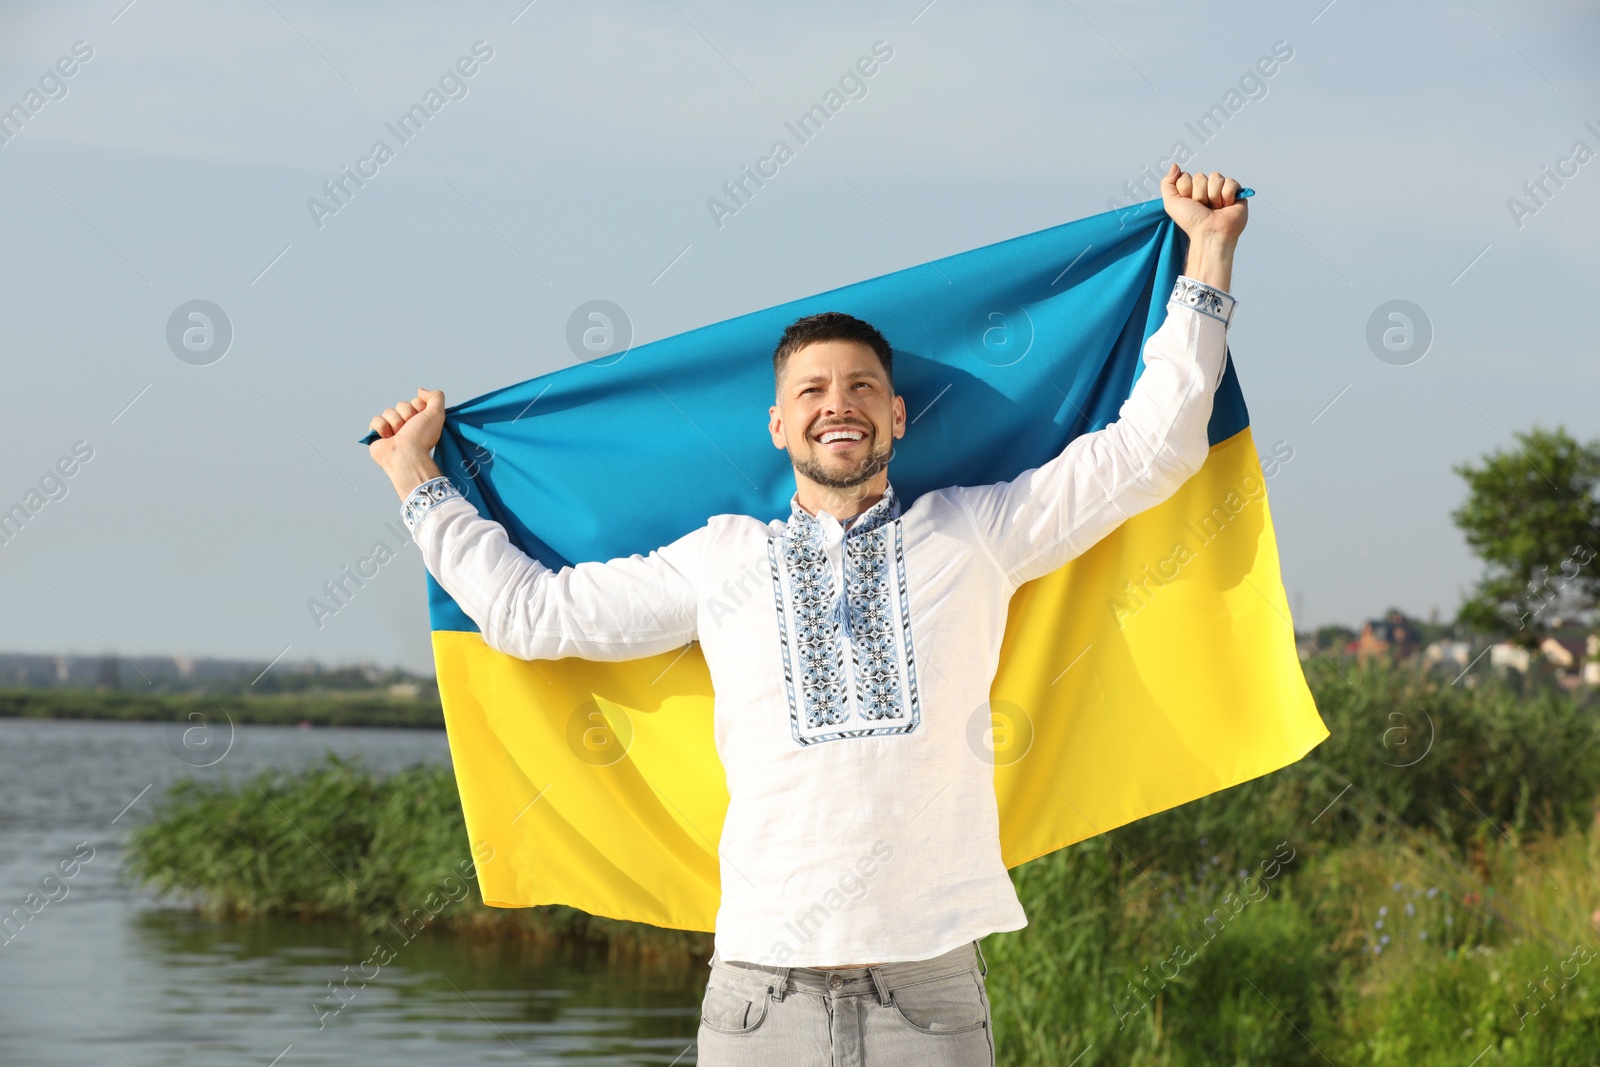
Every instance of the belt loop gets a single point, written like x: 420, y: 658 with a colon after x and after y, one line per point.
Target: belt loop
x: 783, y: 983
x: 983, y: 963
x: 881, y: 985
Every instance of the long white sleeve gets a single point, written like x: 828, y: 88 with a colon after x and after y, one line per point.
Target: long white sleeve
x: 1045, y: 517
x: 625, y: 608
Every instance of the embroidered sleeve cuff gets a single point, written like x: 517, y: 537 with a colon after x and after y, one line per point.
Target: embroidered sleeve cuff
x: 1204, y: 299
x: 423, y: 499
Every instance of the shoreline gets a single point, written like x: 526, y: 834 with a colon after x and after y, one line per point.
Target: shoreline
x: 327, y: 708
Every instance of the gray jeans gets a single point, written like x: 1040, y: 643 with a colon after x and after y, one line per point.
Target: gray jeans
x: 930, y: 1013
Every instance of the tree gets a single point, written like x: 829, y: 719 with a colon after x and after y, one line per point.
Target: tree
x: 1333, y: 636
x: 1533, y: 516
x: 1426, y: 632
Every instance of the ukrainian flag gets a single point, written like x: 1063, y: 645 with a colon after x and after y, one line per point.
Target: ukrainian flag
x: 1154, y: 669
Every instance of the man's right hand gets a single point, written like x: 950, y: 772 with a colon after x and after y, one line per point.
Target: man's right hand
x: 407, y: 434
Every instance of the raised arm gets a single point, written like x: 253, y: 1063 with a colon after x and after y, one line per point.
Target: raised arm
x: 625, y: 608
x: 1047, y: 516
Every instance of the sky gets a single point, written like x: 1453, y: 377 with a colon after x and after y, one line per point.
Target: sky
x: 216, y: 480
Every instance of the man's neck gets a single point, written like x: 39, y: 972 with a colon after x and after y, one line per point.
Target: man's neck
x: 842, y: 504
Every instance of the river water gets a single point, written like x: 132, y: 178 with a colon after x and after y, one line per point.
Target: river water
x: 105, y: 974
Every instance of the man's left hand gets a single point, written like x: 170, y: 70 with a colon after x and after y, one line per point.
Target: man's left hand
x: 1204, y: 204
x: 1207, y: 208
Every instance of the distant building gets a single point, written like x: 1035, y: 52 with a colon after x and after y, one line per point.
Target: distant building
x: 1566, y: 653
x: 1509, y: 656
x: 1391, y: 636
x: 109, y: 676
x: 1448, y: 652
x: 165, y: 674
x: 1575, y: 657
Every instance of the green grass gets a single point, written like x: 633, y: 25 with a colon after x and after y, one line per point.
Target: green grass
x: 1477, y: 856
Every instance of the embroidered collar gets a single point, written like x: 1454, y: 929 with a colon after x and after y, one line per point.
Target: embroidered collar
x: 804, y: 525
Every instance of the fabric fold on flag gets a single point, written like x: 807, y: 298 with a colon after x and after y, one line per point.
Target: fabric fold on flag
x: 1156, y: 668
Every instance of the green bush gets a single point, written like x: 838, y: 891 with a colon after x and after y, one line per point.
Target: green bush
x: 1435, y: 1011
x: 1490, y: 762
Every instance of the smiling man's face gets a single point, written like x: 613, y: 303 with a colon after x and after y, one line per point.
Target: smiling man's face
x: 836, y: 414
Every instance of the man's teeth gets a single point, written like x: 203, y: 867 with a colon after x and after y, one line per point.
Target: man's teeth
x: 841, y: 435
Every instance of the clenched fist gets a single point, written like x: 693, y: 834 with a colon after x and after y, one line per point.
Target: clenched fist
x: 1208, y: 209
x: 407, y: 434
x: 1201, y: 203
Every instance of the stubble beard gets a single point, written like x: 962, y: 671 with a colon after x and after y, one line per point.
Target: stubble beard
x: 821, y: 473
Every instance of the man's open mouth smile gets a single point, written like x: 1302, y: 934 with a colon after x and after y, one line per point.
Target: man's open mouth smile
x: 841, y: 438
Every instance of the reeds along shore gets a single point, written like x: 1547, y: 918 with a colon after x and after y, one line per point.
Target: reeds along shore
x: 1423, y: 887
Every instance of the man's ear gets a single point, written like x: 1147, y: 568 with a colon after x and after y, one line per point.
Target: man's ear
x: 775, y: 426
x: 899, y: 415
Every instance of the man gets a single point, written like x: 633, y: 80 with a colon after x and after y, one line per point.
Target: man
x: 861, y: 826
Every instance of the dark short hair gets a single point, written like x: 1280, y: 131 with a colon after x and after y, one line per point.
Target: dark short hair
x: 831, y: 326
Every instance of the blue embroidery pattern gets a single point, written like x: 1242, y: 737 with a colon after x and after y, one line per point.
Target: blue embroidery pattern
x: 423, y: 499
x: 873, y: 647
x: 816, y: 632
x: 1203, y: 298
x: 864, y: 616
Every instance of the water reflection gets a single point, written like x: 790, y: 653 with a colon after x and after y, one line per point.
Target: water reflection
x: 469, y: 1000
x: 107, y: 975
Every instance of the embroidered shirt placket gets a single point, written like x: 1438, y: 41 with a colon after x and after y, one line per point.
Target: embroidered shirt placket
x: 831, y: 540
x: 833, y: 536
